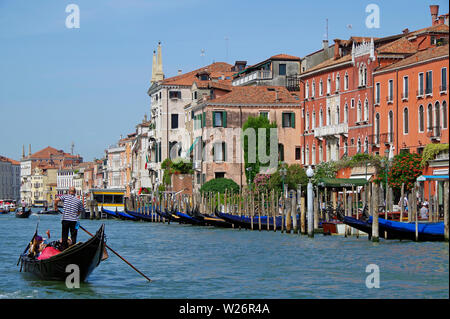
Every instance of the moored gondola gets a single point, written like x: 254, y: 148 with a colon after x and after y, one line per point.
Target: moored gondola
x: 246, y: 222
x: 86, y: 256
x: 23, y: 214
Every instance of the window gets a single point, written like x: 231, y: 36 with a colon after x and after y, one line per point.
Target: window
x: 358, y: 112
x: 219, y: 175
x: 264, y: 114
x: 329, y: 85
x: 174, y: 121
x: 366, y: 145
x: 390, y: 127
x: 444, y: 114
x: 421, y: 119
x: 320, y: 87
x: 328, y: 116
x: 307, y: 155
x: 429, y: 117
x: 307, y: 90
x: 282, y: 69
x: 443, y: 80
x: 377, y: 93
x: 345, y: 149
x: 391, y: 90
x: 377, y: 129
x: 366, y: 110
x: 307, y: 121
x: 338, y: 82
x: 280, y: 152
x: 405, y: 121
x: 297, y: 153
x: 362, y: 75
x: 219, y: 152
x: 405, y: 87
x: 313, y: 89
x: 429, y: 82
x: 437, y: 115
x: 346, y: 113
x: 219, y: 119
x: 313, y: 155
x: 346, y: 81
x: 358, y: 146
x: 320, y: 153
x: 352, y: 103
x: 320, y: 118
x: 313, y: 120
x: 288, y: 120
x: 420, y: 85
x: 175, y: 94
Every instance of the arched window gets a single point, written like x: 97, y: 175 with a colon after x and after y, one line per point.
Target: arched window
x: 280, y: 152
x: 391, y: 127
x: 313, y: 120
x: 421, y: 119
x: 358, y: 146
x: 320, y: 87
x: 358, y: 112
x: 366, y: 145
x: 429, y: 117
x: 307, y: 90
x: 328, y: 85
x: 377, y: 128
x: 320, y: 152
x: 320, y: 118
x: 338, y: 114
x: 338, y: 82
x: 313, y: 89
x: 346, y: 81
x: 313, y: 155
x: 444, y: 114
x: 366, y: 110
x: 405, y: 121
x: 345, y: 149
x: 437, y: 115
x: 307, y: 155
x: 328, y: 116
x: 307, y: 121
x: 346, y: 113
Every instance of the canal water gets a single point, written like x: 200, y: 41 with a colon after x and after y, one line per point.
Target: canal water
x: 205, y: 262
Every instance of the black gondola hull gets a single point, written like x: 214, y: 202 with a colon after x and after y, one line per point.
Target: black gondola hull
x: 21, y: 214
x: 86, y: 256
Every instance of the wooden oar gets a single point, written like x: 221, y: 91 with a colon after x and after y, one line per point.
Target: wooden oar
x: 115, y: 253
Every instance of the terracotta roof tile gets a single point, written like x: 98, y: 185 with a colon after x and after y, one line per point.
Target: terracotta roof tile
x: 402, y: 45
x: 6, y: 159
x: 440, y: 51
x: 329, y: 62
x: 284, y: 57
x: 216, y: 70
x: 257, y: 95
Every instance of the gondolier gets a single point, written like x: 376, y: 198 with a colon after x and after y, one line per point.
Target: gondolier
x: 73, y: 207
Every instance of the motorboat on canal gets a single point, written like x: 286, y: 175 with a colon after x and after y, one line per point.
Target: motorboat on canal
x: 86, y: 255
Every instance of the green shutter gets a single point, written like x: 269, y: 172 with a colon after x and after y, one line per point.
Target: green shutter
x: 224, y: 118
x: 214, y: 119
x: 293, y: 120
x: 203, y: 119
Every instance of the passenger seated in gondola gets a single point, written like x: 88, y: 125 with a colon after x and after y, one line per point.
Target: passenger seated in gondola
x: 34, y: 246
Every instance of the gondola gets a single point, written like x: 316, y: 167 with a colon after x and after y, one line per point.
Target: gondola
x: 398, y: 230
x: 48, y: 212
x: 212, y: 220
x: 246, y: 222
x: 139, y: 215
x: 23, y: 214
x: 359, y: 224
x: 86, y: 256
x: 119, y: 214
x: 187, y: 219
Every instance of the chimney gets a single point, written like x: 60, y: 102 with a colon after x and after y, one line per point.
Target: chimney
x: 179, y: 72
x: 405, y: 31
x: 434, y: 10
x: 325, y: 45
x: 337, y: 55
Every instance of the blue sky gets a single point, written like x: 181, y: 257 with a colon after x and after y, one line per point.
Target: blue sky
x: 89, y: 85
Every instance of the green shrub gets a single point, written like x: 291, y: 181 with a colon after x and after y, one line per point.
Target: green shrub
x: 219, y: 185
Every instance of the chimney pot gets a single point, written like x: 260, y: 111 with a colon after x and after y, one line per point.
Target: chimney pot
x: 405, y: 31
x: 337, y: 55
x: 434, y: 10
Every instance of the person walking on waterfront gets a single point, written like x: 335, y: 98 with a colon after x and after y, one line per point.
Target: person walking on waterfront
x: 73, y: 207
x: 424, y: 212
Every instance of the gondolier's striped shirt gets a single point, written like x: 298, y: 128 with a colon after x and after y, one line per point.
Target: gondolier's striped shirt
x: 72, y: 206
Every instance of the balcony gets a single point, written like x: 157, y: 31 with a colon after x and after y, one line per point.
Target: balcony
x: 331, y: 130
x: 434, y: 133
x: 254, y: 76
x: 443, y: 89
x: 419, y: 93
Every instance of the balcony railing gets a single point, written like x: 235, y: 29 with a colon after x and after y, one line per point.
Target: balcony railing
x: 256, y: 75
x: 443, y: 88
x: 329, y: 130
x: 434, y: 132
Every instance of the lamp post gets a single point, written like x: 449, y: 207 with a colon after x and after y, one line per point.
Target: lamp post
x: 310, y: 195
x: 386, y: 165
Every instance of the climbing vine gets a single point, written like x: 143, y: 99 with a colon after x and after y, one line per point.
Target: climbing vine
x: 430, y: 151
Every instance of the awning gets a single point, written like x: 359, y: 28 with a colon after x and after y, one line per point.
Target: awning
x: 423, y: 178
x: 342, y: 182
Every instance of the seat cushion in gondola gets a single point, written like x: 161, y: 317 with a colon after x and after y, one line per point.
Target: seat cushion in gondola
x: 48, y: 252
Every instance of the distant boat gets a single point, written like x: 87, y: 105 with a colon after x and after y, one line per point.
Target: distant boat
x: 4, y: 210
x: 48, y: 212
x: 23, y: 214
x: 139, y: 215
x: 86, y: 256
x: 426, y: 231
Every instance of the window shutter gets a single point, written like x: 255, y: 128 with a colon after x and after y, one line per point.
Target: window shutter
x: 293, y: 120
x: 224, y: 118
x: 203, y: 119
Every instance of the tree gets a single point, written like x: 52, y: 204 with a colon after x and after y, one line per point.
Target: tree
x: 219, y: 185
x: 324, y: 170
x: 295, y: 175
x: 255, y: 123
